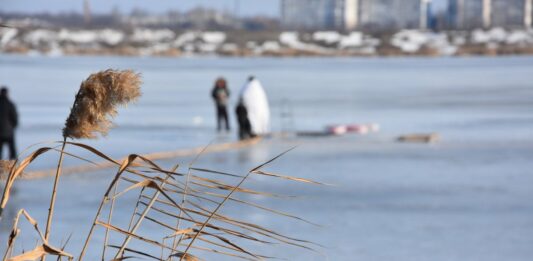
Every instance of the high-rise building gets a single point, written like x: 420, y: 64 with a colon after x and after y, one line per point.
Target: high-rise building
x: 393, y: 14
x: 486, y: 10
x: 509, y: 13
x: 376, y: 15
x: 308, y: 14
x: 320, y: 14
x: 86, y: 12
x: 468, y: 14
x: 472, y: 14
x: 528, y: 13
x: 455, y: 13
x: 425, y: 14
x: 346, y: 14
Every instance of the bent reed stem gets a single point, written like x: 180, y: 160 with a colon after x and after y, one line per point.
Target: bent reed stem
x: 102, y: 203
x: 175, y: 244
x: 184, y: 255
x: 143, y: 215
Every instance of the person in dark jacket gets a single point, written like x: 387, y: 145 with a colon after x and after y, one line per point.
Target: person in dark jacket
x: 8, y: 123
x: 245, y: 128
x: 220, y: 94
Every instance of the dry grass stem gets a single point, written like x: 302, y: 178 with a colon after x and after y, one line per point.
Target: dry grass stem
x: 217, y: 233
x: 38, y: 252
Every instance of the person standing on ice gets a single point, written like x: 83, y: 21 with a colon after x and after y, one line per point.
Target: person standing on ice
x: 8, y: 123
x: 254, y: 99
x: 220, y: 94
x: 245, y: 128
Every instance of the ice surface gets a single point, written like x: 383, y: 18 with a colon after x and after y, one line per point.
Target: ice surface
x: 465, y: 198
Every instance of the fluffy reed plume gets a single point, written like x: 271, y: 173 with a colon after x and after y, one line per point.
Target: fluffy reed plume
x: 96, y: 102
x: 5, y: 167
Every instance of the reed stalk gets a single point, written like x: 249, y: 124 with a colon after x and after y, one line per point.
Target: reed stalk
x: 225, y: 200
x: 102, y: 203
x: 109, y: 219
x: 54, y: 194
x: 143, y: 215
x: 132, y: 218
x: 211, y: 216
x: 175, y: 244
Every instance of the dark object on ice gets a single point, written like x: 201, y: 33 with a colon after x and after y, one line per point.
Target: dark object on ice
x: 8, y: 123
x: 245, y: 128
x: 420, y: 138
x: 313, y: 134
x: 220, y: 94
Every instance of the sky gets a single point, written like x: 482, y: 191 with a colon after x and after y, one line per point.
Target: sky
x: 247, y: 7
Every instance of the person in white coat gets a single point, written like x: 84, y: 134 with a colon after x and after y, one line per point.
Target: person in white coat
x: 254, y: 99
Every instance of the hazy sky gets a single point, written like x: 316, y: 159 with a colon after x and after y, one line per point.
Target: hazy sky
x: 247, y: 7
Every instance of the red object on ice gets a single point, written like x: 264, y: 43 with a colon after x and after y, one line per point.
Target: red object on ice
x: 341, y: 129
x: 356, y: 128
x: 337, y: 129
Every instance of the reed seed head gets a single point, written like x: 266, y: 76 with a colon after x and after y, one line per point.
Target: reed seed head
x: 96, y: 102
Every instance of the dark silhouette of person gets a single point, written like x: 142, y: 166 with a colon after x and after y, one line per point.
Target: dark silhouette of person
x: 220, y: 94
x: 8, y: 123
x: 245, y: 128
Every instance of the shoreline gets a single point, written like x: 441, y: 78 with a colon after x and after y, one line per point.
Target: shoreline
x: 146, y: 42
x: 302, y: 56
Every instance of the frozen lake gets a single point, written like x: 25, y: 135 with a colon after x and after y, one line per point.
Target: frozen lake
x: 467, y: 197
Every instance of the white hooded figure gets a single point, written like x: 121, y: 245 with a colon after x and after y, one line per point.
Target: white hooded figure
x: 255, y: 100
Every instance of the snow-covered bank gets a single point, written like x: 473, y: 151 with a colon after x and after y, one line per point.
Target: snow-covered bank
x: 165, y: 42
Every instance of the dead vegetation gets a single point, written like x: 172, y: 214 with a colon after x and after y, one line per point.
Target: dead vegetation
x: 183, y: 207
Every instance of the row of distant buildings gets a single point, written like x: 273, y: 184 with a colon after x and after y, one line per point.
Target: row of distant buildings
x: 490, y: 13
x: 404, y: 14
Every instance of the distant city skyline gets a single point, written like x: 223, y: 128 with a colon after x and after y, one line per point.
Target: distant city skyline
x: 246, y: 7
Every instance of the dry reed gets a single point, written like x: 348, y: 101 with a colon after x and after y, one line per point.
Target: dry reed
x: 201, y: 194
x: 94, y: 107
x: 96, y: 102
x: 198, y: 221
